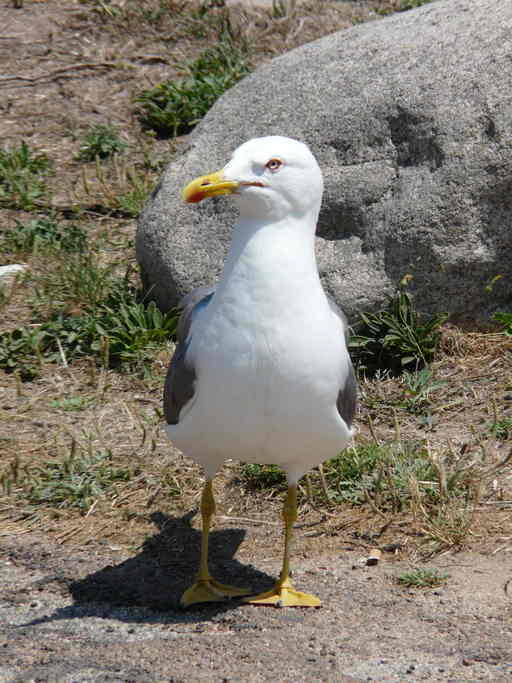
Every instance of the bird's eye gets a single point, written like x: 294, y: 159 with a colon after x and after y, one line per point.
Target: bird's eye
x: 274, y: 165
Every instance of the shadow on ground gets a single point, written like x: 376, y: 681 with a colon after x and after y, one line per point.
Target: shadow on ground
x: 155, y: 579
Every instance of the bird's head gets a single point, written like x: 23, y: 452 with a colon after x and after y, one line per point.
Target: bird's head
x: 271, y: 175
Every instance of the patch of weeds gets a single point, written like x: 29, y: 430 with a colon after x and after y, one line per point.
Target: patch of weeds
x: 22, y: 175
x: 197, y: 27
x: 447, y: 527
x: 101, y: 141
x: 382, y: 474
x: 502, y: 428
x: 20, y: 352
x: 43, y: 232
x: 395, y: 338
x: 394, y: 476
x: 422, y: 578
x: 78, y: 283
x: 401, y: 6
x: 73, y: 403
x: 506, y: 320
x: 418, y: 386
x: 261, y: 477
x: 107, y: 10
x: 129, y: 190
x: 133, y: 200
x: 134, y: 330
x: 87, y: 310
x: 152, y: 13
x: 72, y: 482
x: 406, y: 5
x: 175, y: 107
x: 282, y: 8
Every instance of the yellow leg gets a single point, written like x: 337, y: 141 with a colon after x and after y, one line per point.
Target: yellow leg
x: 284, y: 594
x: 206, y: 588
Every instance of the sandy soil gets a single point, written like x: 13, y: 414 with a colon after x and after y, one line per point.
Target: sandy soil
x: 72, y: 614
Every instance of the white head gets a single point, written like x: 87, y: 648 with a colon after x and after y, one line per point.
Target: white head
x: 271, y: 177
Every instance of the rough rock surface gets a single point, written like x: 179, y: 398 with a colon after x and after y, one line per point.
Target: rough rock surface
x: 410, y: 118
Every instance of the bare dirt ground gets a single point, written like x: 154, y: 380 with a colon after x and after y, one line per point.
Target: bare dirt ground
x: 93, y: 595
x: 77, y: 614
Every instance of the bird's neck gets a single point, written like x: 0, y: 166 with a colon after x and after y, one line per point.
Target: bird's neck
x: 272, y: 259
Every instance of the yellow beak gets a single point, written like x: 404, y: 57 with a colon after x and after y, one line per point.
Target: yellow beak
x: 210, y: 185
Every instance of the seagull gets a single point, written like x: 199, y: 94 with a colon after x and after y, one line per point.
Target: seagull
x: 261, y: 371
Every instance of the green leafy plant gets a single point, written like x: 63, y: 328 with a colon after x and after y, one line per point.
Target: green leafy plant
x: 395, y: 338
x: 22, y: 175
x: 175, y: 107
x: 20, y: 352
x: 418, y: 386
x: 43, y: 232
x: 124, y: 335
x: 506, y: 320
x: 101, y: 141
x: 133, y: 329
x: 422, y: 578
x: 81, y: 307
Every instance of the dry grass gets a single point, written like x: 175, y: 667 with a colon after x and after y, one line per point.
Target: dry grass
x: 122, y: 414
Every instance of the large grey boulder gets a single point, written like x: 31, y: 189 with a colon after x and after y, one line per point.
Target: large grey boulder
x: 410, y: 118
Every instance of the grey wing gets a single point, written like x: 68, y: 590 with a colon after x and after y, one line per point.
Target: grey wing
x: 347, y: 395
x: 347, y: 398
x: 180, y: 381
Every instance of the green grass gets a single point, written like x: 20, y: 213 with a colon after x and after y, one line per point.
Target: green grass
x: 73, y: 403
x: 382, y: 474
x: 75, y: 481
x: 81, y: 307
x: 422, y: 578
x: 502, y: 428
x: 22, y: 177
x: 175, y: 107
x: 41, y: 233
x: 127, y: 334
x: 393, y: 477
x: 139, y: 186
x: 101, y: 141
x: 395, y: 338
x: 123, y: 189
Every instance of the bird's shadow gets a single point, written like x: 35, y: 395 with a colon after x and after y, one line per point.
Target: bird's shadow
x: 148, y: 586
